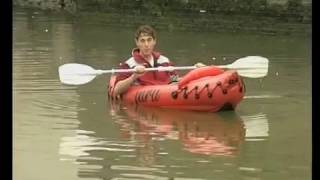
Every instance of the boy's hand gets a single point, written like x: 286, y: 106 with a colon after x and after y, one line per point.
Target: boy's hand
x: 139, y: 69
x: 199, y: 64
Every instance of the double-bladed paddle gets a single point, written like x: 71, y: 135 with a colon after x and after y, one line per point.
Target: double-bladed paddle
x: 77, y: 74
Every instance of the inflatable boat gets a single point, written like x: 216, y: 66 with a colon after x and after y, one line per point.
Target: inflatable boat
x: 209, y: 89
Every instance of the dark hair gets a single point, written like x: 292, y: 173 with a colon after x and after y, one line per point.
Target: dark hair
x: 145, y: 29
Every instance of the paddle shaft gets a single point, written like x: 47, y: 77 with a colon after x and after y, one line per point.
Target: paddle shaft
x: 170, y: 68
x: 146, y: 69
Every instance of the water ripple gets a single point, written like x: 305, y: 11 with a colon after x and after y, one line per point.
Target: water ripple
x: 134, y: 168
x: 266, y: 96
x: 82, y: 143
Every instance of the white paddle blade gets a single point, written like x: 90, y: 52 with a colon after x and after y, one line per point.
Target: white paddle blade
x: 251, y: 66
x: 252, y: 73
x: 76, y: 74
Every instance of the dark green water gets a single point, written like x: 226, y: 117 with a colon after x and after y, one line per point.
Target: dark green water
x: 72, y: 132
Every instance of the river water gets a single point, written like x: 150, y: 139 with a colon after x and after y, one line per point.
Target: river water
x: 73, y: 132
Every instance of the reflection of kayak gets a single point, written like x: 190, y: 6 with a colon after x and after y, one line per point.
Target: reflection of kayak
x: 200, y: 133
x: 203, y: 89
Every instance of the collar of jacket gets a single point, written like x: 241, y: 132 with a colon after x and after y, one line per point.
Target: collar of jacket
x: 139, y: 59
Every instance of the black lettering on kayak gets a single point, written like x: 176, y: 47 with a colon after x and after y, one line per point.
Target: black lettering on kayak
x: 143, y: 96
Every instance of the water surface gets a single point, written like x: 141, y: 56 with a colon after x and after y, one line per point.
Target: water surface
x: 73, y: 132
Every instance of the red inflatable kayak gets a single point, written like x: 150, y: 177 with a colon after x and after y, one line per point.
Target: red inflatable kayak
x: 204, y: 89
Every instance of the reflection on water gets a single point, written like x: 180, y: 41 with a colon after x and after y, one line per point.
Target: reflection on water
x: 200, y: 133
x: 257, y: 127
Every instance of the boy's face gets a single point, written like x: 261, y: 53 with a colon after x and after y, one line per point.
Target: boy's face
x: 146, y: 44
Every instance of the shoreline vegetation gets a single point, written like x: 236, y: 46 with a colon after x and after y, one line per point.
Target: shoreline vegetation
x: 272, y: 17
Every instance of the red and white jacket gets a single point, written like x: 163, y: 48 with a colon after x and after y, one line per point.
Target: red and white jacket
x: 151, y: 77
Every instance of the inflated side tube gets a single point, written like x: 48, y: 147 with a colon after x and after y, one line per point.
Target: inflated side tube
x: 199, y: 73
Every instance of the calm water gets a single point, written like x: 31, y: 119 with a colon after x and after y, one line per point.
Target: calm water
x: 73, y: 132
